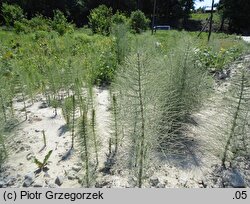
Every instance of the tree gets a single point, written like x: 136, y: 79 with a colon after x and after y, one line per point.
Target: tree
x: 169, y: 11
x: 237, y: 12
x: 187, y: 5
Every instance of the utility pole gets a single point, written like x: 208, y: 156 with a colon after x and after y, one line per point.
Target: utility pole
x: 153, y: 17
x: 211, y: 21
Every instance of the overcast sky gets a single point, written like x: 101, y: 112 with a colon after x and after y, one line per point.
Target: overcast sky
x: 199, y: 4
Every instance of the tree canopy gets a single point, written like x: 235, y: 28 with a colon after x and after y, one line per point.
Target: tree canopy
x: 168, y: 11
x: 171, y: 12
x: 238, y: 15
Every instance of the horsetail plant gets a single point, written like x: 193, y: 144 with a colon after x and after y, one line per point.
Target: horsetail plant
x: 135, y: 85
x: 44, y: 138
x: 115, y: 116
x: 73, y: 121
x: 142, y: 115
x: 238, y: 137
x: 69, y: 113
x: 84, y: 145
x: 3, y: 108
x: 3, y: 152
x: 93, y: 122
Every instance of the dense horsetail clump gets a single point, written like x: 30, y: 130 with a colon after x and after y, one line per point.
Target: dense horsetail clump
x: 238, y: 139
x: 139, y: 104
x: 86, y: 144
x: 157, y: 92
x: 185, y: 84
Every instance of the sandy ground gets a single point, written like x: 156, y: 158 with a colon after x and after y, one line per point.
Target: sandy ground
x: 26, y: 142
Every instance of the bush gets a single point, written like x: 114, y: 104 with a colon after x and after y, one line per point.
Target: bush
x: 21, y: 26
x: 12, y: 13
x: 105, y: 64
x: 40, y: 23
x: 119, y: 18
x: 40, y: 34
x: 216, y: 61
x: 100, y: 20
x: 60, y: 23
x: 138, y: 21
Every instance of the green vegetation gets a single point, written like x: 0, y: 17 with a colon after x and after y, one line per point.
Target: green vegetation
x: 42, y: 165
x: 3, y: 151
x: 12, y: 13
x: 139, y: 22
x: 41, y: 25
x: 237, y: 140
x: 84, y: 142
x: 237, y: 12
x: 205, y: 16
x: 62, y: 51
x: 100, y: 20
x: 175, y: 13
x: 156, y: 82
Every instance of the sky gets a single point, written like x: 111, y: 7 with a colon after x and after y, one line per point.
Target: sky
x: 199, y: 4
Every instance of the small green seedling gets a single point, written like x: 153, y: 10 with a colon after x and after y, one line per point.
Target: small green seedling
x: 42, y: 165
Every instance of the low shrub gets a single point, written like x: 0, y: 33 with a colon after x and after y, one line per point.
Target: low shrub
x: 138, y: 21
x: 60, y: 24
x: 217, y: 60
x: 100, y: 20
x: 105, y: 64
x: 21, y: 26
x: 119, y: 18
x: 12, y: 13
x: 40, y: 23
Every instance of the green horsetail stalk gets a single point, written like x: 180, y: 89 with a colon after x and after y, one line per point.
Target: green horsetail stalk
x: 3, y: 108
x: 84, y: 145
x: 240, y: 118
x: 24, y: 106
x: 94, y: 135
x: 73, y: 121
x: 44, y: 138
x: 142, y: 138
x: 115, y: 122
